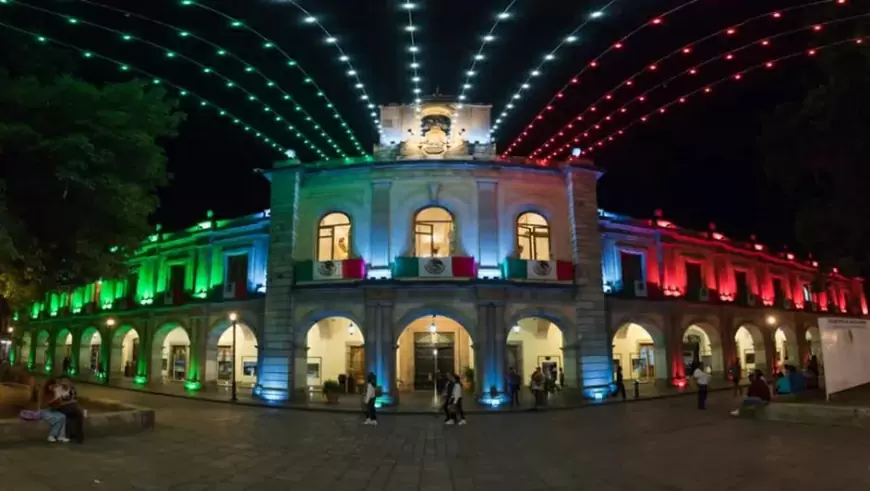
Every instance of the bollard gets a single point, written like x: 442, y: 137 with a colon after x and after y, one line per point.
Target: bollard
x: 636, y: 389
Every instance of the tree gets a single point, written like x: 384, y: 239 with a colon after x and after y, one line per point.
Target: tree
x: 817, y: 150
x: 79, y: 169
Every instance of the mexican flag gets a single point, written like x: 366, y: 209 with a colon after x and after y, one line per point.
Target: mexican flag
x: 435, y: 267
x: 349, y: 269
x: 521, y: 269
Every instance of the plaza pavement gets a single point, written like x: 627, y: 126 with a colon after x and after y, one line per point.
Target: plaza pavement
x: 654, y: 445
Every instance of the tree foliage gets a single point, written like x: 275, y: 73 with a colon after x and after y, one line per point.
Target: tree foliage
x: 817, y: 150
x: 79, y: 169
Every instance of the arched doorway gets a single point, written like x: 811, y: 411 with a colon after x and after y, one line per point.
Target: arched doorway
x: 336, y: 348
x: 535, y: 343
x: 125, y: 352
x: 40, y: 358
x: 89, y: 352
x: 639, y: 351
x: 814, y: 344
x: 219, y: 363
x: 62, y: 350
x: 428, y: 348
x: 785, y: 342
x: 749, y: 343
x: 170, y: 354
x: 702, y: 343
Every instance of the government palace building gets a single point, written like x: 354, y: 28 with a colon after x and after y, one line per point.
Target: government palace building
x: 432, y: 256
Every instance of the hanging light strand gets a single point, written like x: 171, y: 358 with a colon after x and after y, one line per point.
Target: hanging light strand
x: 480, y: 55
x: 153, y: 80
x: 621, y: 45
x: 709, y: 88
x: 693, y: 70
x: 236, y: 23
x: 409, y: 7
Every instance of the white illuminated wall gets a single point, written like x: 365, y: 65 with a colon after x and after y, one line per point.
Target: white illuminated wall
x: 846, y: 348
x: 328, y: 344
x: 246, y: 350
x: 538, y: 339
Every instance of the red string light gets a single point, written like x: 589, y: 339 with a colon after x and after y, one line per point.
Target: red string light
x: 692, y: 71
x: 708, y: 89
x: 595, y: 62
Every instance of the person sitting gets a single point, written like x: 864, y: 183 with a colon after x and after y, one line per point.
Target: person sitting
x: 783, y: 384
x: 757, y: 395
x: 51, y: 396
x: 796, y: 380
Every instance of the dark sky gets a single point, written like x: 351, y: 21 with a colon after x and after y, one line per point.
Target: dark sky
x: 699, y: 163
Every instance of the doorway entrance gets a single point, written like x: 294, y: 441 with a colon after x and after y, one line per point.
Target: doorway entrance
x: 433, y: 359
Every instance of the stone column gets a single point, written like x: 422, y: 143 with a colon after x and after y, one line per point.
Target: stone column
x: 197, y: 353
x: 593, y: 361
x: 276, y: 353
x: 379, y: 245
x: 489, y: 252
x: 75, y: 351
x: 51, y: 365
x: 490, y: 339
x: 676, y: 366
x: 107, y: 337
x: 380, y: 345
x: 729, y: 345
x: 768, y: 363
x: 803, y: 345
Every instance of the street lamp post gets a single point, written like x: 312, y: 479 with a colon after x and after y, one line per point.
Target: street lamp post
x: 234, y: 317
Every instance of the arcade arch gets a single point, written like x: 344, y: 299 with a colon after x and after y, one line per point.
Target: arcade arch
x: 785, y: 342
x: 125, y: 351
x: 62, y: 349
x: 639, y: 351
x: 428, y: 348
x: 702, y: 343
x: 335, y: 347
x: 749, y: 343
x: 814, y: 343
x: 219, y: 363
x: 170, y: 354
x: 40, y: 357
x: 533, y: 343
x: 89, y: 351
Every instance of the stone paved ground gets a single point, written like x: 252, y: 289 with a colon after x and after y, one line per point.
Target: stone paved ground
x: 654, y: 445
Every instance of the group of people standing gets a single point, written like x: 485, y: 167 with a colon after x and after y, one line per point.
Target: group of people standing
x: 541, y: 384
x: 60, y: 409
x: 452, y: 402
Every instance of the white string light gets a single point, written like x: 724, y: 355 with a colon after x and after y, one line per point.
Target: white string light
x: 551, y: 55
x: 309, y: 18
x: 409, y: 7
x: 479, y: 56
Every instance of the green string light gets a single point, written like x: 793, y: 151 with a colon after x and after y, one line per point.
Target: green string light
x: 154, y: 79
x: 239, y: 24
x: 204, y: 68
x: 236, y: 23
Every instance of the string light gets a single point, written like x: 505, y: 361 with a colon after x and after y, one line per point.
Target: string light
x: 344, y: 58
x: 220, y: 51
x: 595, y: 62
x: 570, y: 39
x: 408, y: 7
x: 708, y: 89
x: 479, y: 55
x: 154, y: 80
x: 308, y: 79
x: 547, y: 145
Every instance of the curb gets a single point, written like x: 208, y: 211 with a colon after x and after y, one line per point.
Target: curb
x: 387, y: 412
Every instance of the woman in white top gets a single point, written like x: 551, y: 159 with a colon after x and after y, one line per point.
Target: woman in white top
x: 456, y: 401
x: 369, y: 400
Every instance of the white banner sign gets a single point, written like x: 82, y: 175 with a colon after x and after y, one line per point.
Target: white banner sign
x: 846, y: 351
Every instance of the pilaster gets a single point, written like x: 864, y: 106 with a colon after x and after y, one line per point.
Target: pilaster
x: 380, y: 346
x: 487, y: 225
x: 594, y: 364
x: 727, y: 332
x: 379, y: 247
x: 489, y: 348
x: 75, y: 352
x: 276, y: 354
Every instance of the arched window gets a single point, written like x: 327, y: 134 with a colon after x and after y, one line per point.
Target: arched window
x: 433, y: 232
x: 333, y: 238
x: 533, y: 237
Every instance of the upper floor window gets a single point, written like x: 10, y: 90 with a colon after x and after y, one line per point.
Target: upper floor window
x: 533, y: 237
x: 433, y: 232
x: 333, y: 238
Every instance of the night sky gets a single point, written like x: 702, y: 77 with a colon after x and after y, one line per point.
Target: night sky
x: 699, y: 162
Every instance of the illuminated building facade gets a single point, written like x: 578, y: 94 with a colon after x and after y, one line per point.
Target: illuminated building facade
x: 436, y: 257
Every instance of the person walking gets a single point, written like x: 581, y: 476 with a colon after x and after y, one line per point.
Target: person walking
x: 458, y: 415
x: 369, y: 400
x: 66, y: 364
x: 68, y: 406
x: 513, y: 384
x: 702, y: 378
x: 448, y: 395
x: 736, y: 376
x: 620, y: 383
x: 536, y: 383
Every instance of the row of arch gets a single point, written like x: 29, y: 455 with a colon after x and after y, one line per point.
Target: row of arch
x: 433, y: 235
